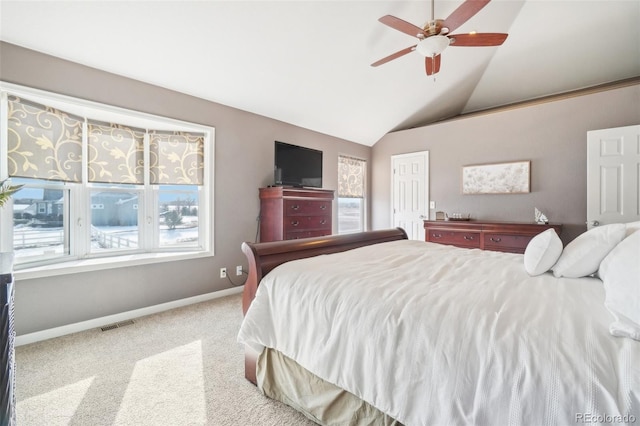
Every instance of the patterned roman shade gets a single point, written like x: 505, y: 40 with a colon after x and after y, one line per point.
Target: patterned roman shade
x: 176, y: 158
x: 350, y: 177
x: 43, y: 142
x: 46, y: 143
x: 116, y: 153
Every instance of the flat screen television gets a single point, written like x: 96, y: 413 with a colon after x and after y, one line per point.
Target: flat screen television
x: 297, y: 166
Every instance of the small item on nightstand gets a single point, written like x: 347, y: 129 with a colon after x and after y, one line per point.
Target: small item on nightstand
x: 458, y: 216
x: 440, y: 215
x: 540, y: 217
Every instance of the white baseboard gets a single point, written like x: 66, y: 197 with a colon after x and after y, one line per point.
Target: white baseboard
x: 123, y: 316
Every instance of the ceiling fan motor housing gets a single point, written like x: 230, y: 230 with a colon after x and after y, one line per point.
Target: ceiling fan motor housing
x: 433, y: 27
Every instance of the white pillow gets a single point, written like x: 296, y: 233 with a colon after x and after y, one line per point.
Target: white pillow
x: 542, y: 252
x: 620, y: 273
x: 582, y: 256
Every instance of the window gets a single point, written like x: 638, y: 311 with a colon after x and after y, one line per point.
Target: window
x: 40, y: 221
x: 351, y: 206
x: 100, y: 181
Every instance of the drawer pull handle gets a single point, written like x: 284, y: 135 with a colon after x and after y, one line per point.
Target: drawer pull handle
x: 495, y: 240
x: 295, y: 223
x: 295, y: 207
x: 436, y: 235
x: 467, y: 237
x: 323, y: 207
x: 323, y: 221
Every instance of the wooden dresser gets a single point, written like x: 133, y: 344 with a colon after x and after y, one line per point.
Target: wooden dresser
x: 510, y: 237
x: 290, y: 213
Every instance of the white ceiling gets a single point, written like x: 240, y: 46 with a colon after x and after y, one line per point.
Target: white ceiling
x: 308, y: 62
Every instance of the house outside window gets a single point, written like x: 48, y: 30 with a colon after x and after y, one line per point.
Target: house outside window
x: 351, y: 190
x: 100, y: 181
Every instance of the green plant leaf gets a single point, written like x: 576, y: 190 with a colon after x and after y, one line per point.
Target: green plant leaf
x: 6, y: 191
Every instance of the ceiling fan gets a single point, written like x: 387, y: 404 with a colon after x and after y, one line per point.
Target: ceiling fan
x: 436, y: 35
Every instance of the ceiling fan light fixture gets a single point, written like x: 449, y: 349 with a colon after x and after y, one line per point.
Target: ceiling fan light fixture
x: 432, y: 46
x: 435, y: 35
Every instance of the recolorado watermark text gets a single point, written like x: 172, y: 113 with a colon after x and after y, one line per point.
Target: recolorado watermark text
x: 604, y: 418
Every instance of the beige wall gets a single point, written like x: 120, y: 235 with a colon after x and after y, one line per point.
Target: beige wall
x: 553, y: 135
x: 244, y: 148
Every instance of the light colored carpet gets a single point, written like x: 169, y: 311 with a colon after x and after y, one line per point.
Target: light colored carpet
x: 180, y: 367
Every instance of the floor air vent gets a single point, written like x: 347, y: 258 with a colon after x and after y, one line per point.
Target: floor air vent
x: 117, y: 325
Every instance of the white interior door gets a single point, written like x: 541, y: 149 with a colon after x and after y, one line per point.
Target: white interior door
x: 410, y: 195
x: 613, y: 175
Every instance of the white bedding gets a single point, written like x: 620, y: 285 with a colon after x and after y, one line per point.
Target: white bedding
x: 437, y: 335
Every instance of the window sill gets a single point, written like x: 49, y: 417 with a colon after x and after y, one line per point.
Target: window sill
x: 97, y: 264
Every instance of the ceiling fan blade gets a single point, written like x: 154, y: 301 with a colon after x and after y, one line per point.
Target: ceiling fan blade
x: 394, y: 56
x: 432, y: 65
x: 463, y: 13
x: 478, y: 39
x: 400, y: 25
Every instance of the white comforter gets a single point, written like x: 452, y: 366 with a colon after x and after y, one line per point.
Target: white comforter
x: 436, y: 335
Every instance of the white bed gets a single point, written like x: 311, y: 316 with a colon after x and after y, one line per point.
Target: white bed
x: 436, y: 335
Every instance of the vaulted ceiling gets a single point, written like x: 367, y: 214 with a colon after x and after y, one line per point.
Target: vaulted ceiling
x: 308, y: 62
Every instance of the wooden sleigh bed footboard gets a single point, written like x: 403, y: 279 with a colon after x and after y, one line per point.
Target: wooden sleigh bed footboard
x: 264, y: 257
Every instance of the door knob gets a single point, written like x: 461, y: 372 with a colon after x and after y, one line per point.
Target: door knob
x: 593, y: 223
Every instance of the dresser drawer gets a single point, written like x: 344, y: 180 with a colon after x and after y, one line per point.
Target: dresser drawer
x: 506, y: 242
x: 306, y: 207
x: 457, y: 238
x: 294, y: 223
x: 294, y: 235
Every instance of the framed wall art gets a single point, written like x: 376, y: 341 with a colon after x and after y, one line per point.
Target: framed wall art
x: 498, y: 178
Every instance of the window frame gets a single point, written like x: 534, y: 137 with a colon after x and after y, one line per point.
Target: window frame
x: 363, y: 199
x: 81, y: 259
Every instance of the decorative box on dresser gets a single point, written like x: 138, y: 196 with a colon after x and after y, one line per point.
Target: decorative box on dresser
x: 510, y: 237
x: 7, y: 339
x: 288, y: 213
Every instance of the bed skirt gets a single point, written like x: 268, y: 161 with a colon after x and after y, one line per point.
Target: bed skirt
x: 284, y: 380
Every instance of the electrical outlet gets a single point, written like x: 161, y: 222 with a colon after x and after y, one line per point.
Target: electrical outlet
x: 239, y: 270
x: 223, y: 272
